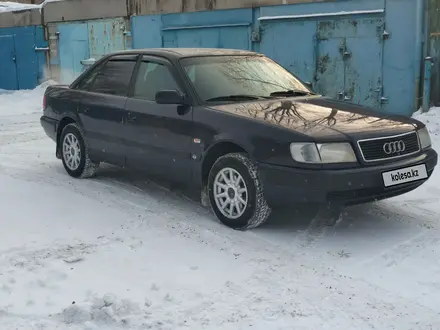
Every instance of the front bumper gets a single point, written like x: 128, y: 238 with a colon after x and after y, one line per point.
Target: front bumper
x: 284, y: 186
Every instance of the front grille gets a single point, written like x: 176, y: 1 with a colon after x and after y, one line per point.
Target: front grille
x: 389, y: 147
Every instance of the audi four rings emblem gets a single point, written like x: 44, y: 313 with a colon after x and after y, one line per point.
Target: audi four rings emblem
x: 394, y: 147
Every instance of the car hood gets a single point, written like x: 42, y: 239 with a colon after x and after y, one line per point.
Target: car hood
x: 320, y: 116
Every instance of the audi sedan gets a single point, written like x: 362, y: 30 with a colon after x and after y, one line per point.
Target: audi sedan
x: 236, y: 126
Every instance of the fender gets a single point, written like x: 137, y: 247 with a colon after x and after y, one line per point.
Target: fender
x: 244, y: 143
x: 208, y: 146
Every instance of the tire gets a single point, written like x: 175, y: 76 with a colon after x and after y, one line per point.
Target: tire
x: 82, y: 167
x: 250, y: 209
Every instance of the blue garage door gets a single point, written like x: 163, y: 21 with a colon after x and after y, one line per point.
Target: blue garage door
x: 106, y: 36
x: 330, y: 67
x: 8, y: 69
x: 364, y: 63
x: 27, y: 62
x: 73, y: 48
x: 292, y: 44
x: 341, y: 57
x: 349, y: 59
x: 235, y: 36
x: 80, y: 41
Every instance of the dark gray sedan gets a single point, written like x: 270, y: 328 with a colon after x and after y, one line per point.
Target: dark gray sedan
x: 236, y: 125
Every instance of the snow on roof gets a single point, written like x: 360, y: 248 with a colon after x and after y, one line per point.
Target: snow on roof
x: 14, y: 6
x: 10, y: 6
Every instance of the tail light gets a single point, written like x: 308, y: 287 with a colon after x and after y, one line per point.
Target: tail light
x: 44, y: 102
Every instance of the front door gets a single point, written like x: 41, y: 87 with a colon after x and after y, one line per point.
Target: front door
x: 159, y: 136
x: 101, y: 110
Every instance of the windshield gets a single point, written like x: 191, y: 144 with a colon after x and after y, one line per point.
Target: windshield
x: 219, y: 78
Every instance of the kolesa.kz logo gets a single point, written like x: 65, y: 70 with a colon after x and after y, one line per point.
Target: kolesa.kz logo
x: 403, y: 176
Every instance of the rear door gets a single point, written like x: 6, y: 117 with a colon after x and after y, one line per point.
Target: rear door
x: 8, y: 69
x: 158, y: 135
x: 102, y: 107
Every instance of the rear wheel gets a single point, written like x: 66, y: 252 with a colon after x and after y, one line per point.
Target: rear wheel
x: 235, y: 192
x: 74, y: 153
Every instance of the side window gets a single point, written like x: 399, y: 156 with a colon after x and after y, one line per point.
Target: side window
x: 114, y: 77
x: 152, y: 78
x: 191, y: 71
x: 87, y: 81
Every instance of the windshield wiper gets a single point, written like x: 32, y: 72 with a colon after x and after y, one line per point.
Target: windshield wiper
x: 291, y: 92
x: 235, y: 97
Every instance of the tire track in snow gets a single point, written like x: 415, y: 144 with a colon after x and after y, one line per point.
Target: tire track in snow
x: 170, y: 209
x: 413, y: 214
x: 275, y: 282
x: 257, y: 246
x: 402, y: 251
x: 14, y: 131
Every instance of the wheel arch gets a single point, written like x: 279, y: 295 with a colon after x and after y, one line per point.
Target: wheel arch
x: 65, y: 120
x: 217, y: 150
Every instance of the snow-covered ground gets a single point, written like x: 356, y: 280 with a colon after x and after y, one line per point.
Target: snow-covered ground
x: 119, y: 251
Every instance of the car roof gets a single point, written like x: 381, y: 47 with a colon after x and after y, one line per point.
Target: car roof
x: 177, y: 53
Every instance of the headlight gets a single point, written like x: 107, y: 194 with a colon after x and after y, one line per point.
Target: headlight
x: 324, y: 153
x: 305, y: 152
x: 425, y: 140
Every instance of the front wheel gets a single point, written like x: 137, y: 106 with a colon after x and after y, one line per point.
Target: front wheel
x: 235, y: 192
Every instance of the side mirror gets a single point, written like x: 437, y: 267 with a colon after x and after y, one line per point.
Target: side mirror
x: 169, y: 97
x: 308, y: 84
